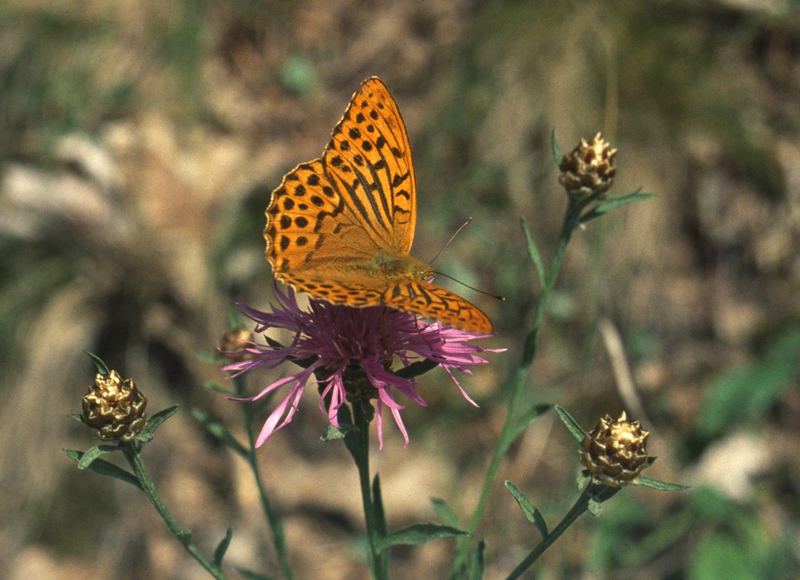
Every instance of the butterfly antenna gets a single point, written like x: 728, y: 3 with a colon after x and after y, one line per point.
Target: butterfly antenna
x: 450, y: 241
x: 499, y: 297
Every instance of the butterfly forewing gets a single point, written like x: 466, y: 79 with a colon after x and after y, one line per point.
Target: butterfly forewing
x: 307, y: 225
x: 369, y: 158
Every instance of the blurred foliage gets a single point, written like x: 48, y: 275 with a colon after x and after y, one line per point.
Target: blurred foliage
x: 746, y: 393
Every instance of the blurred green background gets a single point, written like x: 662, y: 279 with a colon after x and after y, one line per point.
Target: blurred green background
x: 139, y: 142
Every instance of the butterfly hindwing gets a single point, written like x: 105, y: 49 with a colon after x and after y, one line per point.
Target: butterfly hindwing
x: 432, y: 301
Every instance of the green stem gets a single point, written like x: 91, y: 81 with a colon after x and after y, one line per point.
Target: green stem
x: 591, y: 491
x: 360, y: 452
x: 274, y: 521
x: 571, y: 221
x: 183, y: 536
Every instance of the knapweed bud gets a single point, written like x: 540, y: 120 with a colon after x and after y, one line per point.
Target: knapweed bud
x: 115, y: 407
x: 234, y: 342
x: 589, y: 168
x: 615, y: 452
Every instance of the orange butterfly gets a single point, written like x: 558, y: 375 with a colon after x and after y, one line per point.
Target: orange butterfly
x: 340, y: 227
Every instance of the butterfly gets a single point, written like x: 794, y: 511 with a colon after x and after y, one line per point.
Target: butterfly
x: 340, y: 227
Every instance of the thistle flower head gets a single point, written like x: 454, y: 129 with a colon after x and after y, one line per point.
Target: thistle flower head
x: 115, y: 407
x: 615, y: 451
x: 352, y: 352
x: 589, y: 168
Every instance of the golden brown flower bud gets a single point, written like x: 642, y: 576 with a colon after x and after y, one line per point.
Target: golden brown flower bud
x: 589, y: 168
x: 615, y: 452
x: 115, y: 407
x: 234, y: 342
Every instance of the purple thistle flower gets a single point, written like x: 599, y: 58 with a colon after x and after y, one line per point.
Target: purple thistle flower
x: 342, y: 346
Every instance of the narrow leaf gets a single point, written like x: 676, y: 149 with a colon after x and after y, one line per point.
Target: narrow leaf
x: 532, y: 514
x: 445, y: 512
x: 103, y: 467
x: 533, y: 251
x: 554, y: 148
x: 250, y: 575
x: 614, y: 203
x: 78, y: 417
x: 478, y: 564
x: 645, y: 481
x: 93, y: 453
x: 418, y: 534
x: 377, y: 502
x: 101, y: 365
x: 219, y: 431
x: 222, y: 547
x: 153, y: 423
x: 577, y: 431
x: 416, y: 369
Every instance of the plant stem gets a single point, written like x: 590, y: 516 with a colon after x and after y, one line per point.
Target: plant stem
x: 591, y: 491
x: 580, y: 506
x: 274, y: 521
x: 182, y: 535
x: 360, y: 451
x: 571, y: 221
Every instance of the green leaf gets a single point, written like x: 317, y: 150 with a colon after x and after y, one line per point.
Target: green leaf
x: 153, y: 423
x: 222, y: 547
x: 747, y: 392
x: 219, y: 431
x: 554, y: 148
x: 533, y: 252
x: 79, y: 418
x: 577, y: 431
x: 612, y: 204
x: 645, y: 481
x: 444, y: 511
x: 101, y: 365
x: 418, y: 534
x: 93, y: 453
x: 532, y: 514
x: 416, y: 369
x: 478, y: 564
x: 103, y: 467
x: 377, y: 502
x: 250, y: 575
